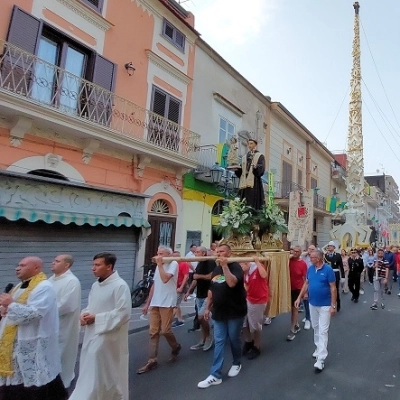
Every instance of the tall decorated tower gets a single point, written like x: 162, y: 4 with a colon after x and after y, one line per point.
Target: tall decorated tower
x: 353, y: 232
x: 355, y: 157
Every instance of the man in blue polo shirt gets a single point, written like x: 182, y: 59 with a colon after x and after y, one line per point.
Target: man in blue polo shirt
x: 321, y: 287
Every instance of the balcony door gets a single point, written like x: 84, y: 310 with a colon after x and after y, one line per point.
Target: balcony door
x: 52, y: 85
x: 287, y: 174
x: 164, y: 129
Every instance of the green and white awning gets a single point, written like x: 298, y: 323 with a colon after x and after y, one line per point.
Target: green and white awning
x: 65, y: 218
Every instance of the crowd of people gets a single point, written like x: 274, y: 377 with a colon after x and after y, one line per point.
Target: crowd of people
x: 41, y: 318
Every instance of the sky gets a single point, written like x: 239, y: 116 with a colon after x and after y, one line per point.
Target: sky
x: 299, y: 53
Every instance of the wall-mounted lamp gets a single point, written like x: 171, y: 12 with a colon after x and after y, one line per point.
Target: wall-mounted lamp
x: 315, y: 168
x: 130, y: 68
x: 301, y: 158
x: 288, y: 150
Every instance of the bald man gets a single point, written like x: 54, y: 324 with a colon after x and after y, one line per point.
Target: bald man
x: 68, y: 290
x: 29, y: 351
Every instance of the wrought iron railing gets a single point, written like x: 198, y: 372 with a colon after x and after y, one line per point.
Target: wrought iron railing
x: 319, y: 201
x: 206, y: 157
x: 283, y: 189
x: 25, y: 75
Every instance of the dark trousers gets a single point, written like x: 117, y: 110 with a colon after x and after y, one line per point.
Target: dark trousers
x: 337, y: 276
x: 54, y: 390
x: 354, y: 285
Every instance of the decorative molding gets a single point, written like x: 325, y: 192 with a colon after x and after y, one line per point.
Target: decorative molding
x: 149, y: 7
x: 51, y: 161
x: 89, y: 147
x: 229, y: 105
x: 18, y: 131
x: 167, y: 67
x: 139, y: 165
x: 87, y: 14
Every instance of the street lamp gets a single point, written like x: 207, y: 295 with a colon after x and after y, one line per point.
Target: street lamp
x: 225, y: 181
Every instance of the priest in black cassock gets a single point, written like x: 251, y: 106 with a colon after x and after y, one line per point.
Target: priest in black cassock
x: 250, y: 173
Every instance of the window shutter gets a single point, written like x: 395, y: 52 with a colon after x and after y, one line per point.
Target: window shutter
x: 17, y: 68
x: 179, y: 39
x: 104, y: 72
x: 24, y: 30
x: 169, y: 30
x: 159, y: 103
x: 174, y: 110
x: 98, y: 105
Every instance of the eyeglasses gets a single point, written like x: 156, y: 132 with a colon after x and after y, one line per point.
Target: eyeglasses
x: 354, y: 252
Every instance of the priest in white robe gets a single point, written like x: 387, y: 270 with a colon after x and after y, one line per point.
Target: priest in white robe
x: 68, y: 289
x: 29, y: 352
x: 104, y: 361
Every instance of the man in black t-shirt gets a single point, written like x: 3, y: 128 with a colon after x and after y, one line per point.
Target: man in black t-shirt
x: 227, y: 301
x: 201, y: 281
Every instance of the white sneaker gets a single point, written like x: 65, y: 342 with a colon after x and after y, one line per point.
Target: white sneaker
x: 362, y: 291
x: 398, y: 294
x: 267, y: 321
x: 304, y: 319
x: 209, y: 381
x: 234, y: 371
x: 307, y: 325
x: 315, y: 354
x: 319, y: 365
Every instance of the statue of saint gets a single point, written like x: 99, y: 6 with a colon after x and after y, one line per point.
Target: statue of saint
x: 232, y: 158
x: 250, y: 173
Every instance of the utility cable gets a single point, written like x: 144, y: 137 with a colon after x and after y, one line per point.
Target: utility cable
x: 380, y: 80
x: 340, y: 109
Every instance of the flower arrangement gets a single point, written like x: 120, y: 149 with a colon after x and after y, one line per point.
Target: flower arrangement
x: 236, y: 218
x: 271, y: 219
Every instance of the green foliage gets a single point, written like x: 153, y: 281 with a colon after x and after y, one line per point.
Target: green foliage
x: 271, y: 219
x: 236, y: 218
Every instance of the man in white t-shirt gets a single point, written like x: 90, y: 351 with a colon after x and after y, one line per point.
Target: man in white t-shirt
x: 162, y: 302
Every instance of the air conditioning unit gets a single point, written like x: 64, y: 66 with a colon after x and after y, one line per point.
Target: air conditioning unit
x: 335, y: 191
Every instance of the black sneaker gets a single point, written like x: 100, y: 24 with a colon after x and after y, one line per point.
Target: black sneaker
x: 389, y: 292
x: 374, y: 306
x: 297, y: 328
x: 253, y: 353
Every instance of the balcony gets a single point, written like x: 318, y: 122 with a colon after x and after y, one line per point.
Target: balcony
x: 337, y: 172
x: 53, y: 97
x: 282, y: 190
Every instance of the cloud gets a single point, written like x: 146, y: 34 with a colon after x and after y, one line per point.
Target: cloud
x: 230, y: 21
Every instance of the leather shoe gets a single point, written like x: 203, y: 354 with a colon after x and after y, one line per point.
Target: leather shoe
x: 148, y: 367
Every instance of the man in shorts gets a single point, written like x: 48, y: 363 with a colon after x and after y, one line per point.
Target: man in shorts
x: 201, y: 281
x: 298, y: 272
x: 255, y: 280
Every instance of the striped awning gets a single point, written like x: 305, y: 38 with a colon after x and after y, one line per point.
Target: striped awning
x: 66, y: 218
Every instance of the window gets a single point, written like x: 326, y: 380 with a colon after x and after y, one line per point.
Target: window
x: 173, y: 35
x: 226, y: 130
x: 95, y: 4
x: 56, y: 77
x: 50, y: 85
x: 165, y: 131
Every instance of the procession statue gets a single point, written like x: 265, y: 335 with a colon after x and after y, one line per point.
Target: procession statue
x: 250, y: 173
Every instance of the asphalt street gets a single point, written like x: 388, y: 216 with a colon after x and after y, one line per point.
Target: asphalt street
x: 363, y: 361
